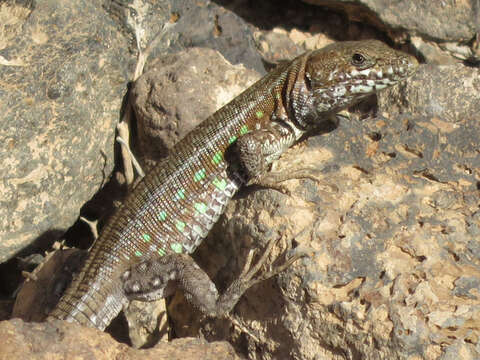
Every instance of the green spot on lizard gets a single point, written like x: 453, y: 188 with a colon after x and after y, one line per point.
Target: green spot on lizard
x: 219, y: 184
x: 180, y: 225
x: 180, y: 194
x: 259, y: 114
x: 162, y: 215
x: 146, y: 237
x: 176, y: 247
x: 199, y: 175
x: 138, y: 253
x: 200, y: 207
x: 217, y: 158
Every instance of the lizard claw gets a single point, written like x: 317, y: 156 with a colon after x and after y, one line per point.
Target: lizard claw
x: 248, y: 277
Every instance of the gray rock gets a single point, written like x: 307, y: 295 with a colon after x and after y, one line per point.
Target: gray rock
x: 63, y: 76
x: 437, y: 29
x: 198, y: 24
x: 449, y: 93
x: 441, y: 20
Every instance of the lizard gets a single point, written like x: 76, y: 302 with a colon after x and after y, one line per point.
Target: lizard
x: 143, y: 251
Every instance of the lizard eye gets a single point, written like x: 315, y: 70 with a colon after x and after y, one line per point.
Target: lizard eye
x: 358, y: 59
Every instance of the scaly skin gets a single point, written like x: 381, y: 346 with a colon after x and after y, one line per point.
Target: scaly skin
x: 173, y: 208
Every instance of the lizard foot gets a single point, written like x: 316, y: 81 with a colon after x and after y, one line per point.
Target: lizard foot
x: 248, y: 273
x: 250, y: 276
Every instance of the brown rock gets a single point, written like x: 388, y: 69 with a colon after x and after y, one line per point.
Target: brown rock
x: 44, y: 286
x: 62, y: 340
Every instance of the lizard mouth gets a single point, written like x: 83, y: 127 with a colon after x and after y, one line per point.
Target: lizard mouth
x: 370, y: 80
x: 366, y: 81
x: 355, y: 84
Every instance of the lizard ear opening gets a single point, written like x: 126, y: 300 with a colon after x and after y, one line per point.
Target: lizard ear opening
x: 308, y: 81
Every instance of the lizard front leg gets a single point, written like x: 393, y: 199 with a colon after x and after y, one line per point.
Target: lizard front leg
x: 257, y: 149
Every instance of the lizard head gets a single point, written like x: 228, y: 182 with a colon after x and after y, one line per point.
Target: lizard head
x: 341, y: 74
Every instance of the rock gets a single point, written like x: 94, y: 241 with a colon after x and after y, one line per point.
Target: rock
x: 453, y: 104
x: 147, y: 322
x: 44, y: 286
x: 197, y: 24
x: 62, y: 340
x: 440, y: 28
x: 429, y: 19
x: 276, y: 45
x: 63, y: 76
x: 208, y: 25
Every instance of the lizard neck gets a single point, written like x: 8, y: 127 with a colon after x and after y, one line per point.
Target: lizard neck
x: 300, y: 97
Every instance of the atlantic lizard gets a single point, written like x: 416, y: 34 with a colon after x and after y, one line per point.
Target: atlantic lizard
x: 143, y: 250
